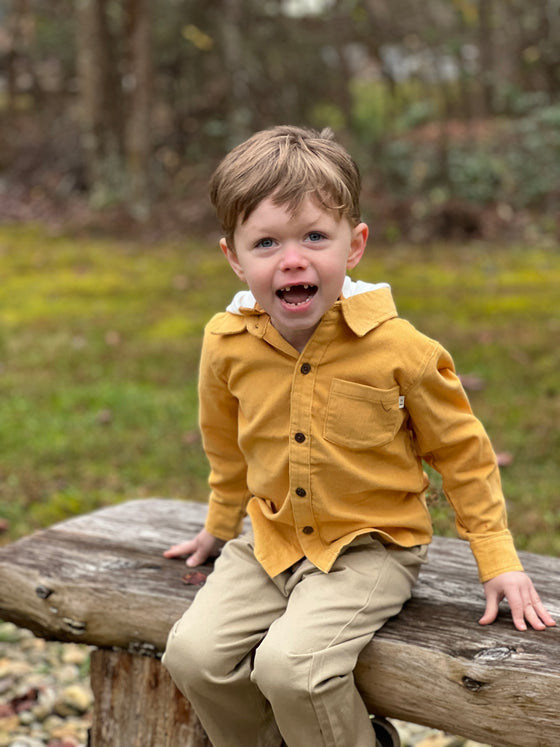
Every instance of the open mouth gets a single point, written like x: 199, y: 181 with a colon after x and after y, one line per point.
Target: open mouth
x: 296, y: 295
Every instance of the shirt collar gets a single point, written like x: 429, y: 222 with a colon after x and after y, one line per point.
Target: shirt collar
x: 368, y: 309
x: 364, y: 306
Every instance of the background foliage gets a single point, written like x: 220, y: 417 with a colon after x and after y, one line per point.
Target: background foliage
x: 452, y: 107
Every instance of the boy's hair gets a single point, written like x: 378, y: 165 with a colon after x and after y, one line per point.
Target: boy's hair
x: 286, y: 163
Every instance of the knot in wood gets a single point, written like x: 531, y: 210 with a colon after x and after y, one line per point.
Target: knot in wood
x: 495, y: 654
x: 144, y: 649
x: 473, y: 685
x: 43, y: 592
x: 75, y: 626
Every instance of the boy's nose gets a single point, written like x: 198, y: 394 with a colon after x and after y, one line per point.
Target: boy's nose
x: 293, y: 257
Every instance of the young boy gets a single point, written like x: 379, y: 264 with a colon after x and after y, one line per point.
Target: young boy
x: 317, y: 406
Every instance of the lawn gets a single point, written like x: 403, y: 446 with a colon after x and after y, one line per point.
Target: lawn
x: 99, y: 343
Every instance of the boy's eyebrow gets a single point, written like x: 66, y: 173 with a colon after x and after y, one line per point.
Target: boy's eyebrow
x: 315, y: 223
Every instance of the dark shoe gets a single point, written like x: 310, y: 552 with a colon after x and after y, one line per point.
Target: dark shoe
x: 385, y: 733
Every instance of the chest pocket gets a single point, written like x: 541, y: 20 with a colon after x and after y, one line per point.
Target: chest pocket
x: 360, y: 416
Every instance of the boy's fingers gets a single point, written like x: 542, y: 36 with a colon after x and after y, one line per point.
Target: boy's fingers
x: 529, y: 609
x: 491, y: 611
x: 175, y: 551
x: 197, y: 558
x: 538, y: 616
x: 517, y: 607
x: 542, y: 612
x: 524, y: 602
x: 547, y: 618
x: 533, y: 618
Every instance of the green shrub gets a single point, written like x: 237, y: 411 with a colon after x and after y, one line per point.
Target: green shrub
x: 518, y: 164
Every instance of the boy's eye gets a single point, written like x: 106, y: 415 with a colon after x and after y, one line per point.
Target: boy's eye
x: 265, y: 243
x: 315, y: 236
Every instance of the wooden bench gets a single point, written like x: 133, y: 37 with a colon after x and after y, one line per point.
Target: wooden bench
x: 101, y: 579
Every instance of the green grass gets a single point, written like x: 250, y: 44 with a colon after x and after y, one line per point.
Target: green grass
x: 99, y: 347
x: 99, y: 344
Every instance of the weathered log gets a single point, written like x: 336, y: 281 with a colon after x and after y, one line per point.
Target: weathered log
x: 137, y: 704
x: 101, y: 579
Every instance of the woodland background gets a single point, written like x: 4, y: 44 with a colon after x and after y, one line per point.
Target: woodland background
x: 123, y: 107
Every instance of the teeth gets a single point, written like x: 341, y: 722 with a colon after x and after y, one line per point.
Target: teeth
x: 289, y: 287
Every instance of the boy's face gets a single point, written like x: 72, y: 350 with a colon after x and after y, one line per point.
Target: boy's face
x: 295, y: 264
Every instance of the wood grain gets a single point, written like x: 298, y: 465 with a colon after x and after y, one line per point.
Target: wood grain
x: 137, y: 704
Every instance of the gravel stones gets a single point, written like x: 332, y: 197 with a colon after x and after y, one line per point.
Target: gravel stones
x: 45, y: 697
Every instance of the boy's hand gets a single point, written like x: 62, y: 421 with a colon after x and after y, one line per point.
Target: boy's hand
x: 199, y: 549
x: 525, y: 604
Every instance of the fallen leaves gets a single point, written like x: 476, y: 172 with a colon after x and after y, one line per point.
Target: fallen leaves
x: 19, y: 703
x: 472, y: 382
x: 194, y: 578
x: 504, y: 458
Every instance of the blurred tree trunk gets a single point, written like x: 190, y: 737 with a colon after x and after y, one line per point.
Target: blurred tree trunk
x: 341, y: 35
x: 14, y: 32
x: 237, y: 114
x: 138, y: 146
x: 116, y: 102
x: 486, y: 47
x: 100, y: 102
x: 20, y: 36
x: 550, y: 47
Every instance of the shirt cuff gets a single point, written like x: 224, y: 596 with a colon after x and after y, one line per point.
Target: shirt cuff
x: 494, y: 554
x: 224, y: 520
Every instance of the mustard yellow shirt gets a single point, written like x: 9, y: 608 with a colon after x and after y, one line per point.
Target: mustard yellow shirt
x: 325, y: 445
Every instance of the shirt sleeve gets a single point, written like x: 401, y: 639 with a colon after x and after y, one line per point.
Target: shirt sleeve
x: 218, y: 410
x: 454, y: 442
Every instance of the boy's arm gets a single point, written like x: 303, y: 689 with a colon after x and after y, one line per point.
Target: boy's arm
x: 219, y: 426
x: 525, y: 604
x: 452, y: 440
x: 228, y: 470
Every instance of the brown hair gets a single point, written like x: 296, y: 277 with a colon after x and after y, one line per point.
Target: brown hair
x: 288, y: 163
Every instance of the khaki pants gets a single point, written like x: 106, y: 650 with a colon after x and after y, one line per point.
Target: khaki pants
x: 264, y: 659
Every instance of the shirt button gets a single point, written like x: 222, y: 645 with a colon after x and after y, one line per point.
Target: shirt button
x: 301, y: 492
x: 299, y: 437
x: 307, y: 530
x: 305, y: 368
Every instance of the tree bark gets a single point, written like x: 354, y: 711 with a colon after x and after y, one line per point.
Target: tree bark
x: 137, y: 704
x: 487, y: 62
x: 138, y: 144
x: 237, y: 114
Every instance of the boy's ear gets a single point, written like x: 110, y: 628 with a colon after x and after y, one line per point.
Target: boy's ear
x: 357, y: 245
x: 231, y: 257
